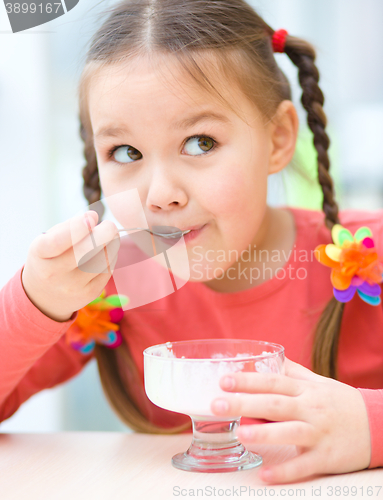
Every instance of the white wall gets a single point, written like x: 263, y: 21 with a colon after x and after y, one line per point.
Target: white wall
x: 40, y: 179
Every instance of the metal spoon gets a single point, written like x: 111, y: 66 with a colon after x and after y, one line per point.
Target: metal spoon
x: 176, y: 234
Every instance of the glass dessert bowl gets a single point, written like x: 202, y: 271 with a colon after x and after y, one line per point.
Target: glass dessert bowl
x: 184, y: 377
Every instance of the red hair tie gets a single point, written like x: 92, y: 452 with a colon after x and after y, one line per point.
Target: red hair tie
x: 278, y: 40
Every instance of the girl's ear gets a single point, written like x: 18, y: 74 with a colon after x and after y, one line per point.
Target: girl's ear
x: 283, y: 136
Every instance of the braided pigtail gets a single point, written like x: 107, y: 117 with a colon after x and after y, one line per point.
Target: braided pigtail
x: 326, y: 338
x: 91, y: 186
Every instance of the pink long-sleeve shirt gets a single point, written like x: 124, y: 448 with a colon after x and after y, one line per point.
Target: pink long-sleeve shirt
x: 284, y: 309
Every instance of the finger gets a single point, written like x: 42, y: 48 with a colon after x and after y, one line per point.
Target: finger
x: 97, y: 259
x: 99, y: 237
x: 103, y: 262
x: 90, y: 217
x: 295, y: 469
x: 97, y: 284
x: 63, y: 236
x: 282, y: 433
x: 267, y: 406
x: 78, y: 256
x: 253, y: 382
x: 297, y: 371
x: 90, y: 286
x: 108, y: 269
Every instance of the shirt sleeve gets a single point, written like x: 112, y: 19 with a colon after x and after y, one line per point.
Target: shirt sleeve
x: 373, y: 399
x: 33, y: 352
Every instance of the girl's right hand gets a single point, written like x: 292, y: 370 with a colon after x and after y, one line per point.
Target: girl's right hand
x: 51, y: 277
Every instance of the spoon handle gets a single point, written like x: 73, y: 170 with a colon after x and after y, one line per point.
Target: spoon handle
x: 163, y: 235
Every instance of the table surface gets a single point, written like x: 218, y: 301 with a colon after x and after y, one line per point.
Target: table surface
x: 133, y: 466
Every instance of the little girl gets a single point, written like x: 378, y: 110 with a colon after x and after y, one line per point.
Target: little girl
x: 184, y: 101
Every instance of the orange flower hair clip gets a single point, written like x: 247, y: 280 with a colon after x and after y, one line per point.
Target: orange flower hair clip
x: 356, y: 266
x: 97, y: 323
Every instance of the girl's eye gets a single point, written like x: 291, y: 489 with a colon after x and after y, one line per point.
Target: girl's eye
x: 128, y: 154
x: 125, y: 154
x: 200, y: 141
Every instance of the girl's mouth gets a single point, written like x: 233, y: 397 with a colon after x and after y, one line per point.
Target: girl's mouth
x: 193, y: 234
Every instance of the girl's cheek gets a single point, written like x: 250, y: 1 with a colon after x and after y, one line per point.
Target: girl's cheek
x: 111, y: 180
x: 228, y: 192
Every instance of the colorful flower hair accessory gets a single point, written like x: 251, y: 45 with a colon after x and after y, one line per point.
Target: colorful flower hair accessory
x: 356, y: 266
x: 97, y: 323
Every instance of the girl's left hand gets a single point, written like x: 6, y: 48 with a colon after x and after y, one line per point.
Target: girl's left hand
x: 326, y: 420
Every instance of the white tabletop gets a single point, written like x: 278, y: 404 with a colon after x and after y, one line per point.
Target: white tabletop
x: 113, y: 466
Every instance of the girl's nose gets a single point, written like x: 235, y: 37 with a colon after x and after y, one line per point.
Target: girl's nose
x: 165, y: 190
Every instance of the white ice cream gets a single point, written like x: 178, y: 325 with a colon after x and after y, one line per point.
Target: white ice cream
x: 189, y: 386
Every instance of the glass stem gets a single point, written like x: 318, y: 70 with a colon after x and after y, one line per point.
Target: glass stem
x: 215, y: 438
x: 215, y: 448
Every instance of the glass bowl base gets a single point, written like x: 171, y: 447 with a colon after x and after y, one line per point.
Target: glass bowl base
x: 187, y: 462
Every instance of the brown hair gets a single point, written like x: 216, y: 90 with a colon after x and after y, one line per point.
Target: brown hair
x: 240, y: 42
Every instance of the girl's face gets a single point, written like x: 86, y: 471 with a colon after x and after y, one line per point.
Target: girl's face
x: 193, y: 161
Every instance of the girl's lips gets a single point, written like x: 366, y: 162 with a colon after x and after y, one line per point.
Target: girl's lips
x: 194, y: 233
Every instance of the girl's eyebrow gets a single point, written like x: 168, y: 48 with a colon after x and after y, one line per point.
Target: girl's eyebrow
x: 110, y: 131
x: 192, y: 120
